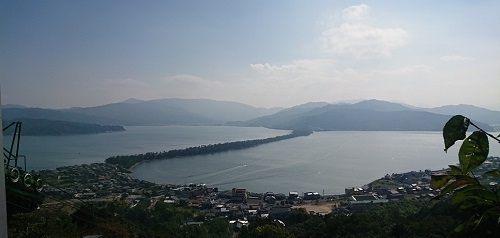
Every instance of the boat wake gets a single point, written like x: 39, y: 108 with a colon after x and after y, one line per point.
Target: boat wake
x: 216, y: 173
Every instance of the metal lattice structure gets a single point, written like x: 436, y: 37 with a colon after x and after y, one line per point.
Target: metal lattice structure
x: 22, y: 188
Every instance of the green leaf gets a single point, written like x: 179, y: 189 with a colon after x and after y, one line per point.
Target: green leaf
x: 466, y: 192
x: 455, y: 170
x: 452, y: 186
x: 488, y: 215
x: 438, y: 181
x: 460, y: 227
x: 454, y: 130
x: 468, y: 178
x: 493, y: 173
x: 487, y: 195
x: 459, y: 197
x: 474, y: 151
x: 468, y: 204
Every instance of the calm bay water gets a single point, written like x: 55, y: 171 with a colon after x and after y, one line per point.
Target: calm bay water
x: 323, y: 161
x: 49, y: 152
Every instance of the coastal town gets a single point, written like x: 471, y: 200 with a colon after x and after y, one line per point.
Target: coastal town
x: 100, y: 182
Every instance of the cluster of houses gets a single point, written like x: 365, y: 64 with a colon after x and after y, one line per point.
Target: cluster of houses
x: 410, y: 185
x: 238, y: 205
x: 105, y: 181
x: 492, y: 163
x: 87, y: 181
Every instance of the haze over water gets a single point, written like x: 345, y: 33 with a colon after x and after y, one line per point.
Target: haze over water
x: 328, y: 161
x: 49, y: 152
x: 323, y: 162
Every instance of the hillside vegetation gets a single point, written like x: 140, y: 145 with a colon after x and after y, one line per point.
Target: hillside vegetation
x: 369, y: 115
x: 37, y: 127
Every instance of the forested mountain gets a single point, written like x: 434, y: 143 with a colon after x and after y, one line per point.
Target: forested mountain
x: 13, y: 106
x: 35, y: 127
x: 273, y: 121
x: 370, y: 115
x: 375, y: 105
x: 134, y: 112
x: 364, y: 115
x: 175, y: 111
x: 144, y: 113
x: 10, y: 114
x: 479, y: 114
x: 222, y: 111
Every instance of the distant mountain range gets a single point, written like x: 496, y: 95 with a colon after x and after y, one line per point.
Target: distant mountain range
x: 477, y: 113
x: 368, y: 115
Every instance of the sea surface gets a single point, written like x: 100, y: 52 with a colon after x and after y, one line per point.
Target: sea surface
x: 50, y: 152
x: 324, y: 162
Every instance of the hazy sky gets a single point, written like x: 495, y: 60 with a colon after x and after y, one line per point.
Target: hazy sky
x: 60, y: 54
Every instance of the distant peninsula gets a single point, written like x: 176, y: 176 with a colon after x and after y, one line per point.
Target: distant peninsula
x: 129, y: 161
x: 43, y: 127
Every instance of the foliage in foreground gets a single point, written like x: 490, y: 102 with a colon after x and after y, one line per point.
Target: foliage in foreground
x: 479, y: 203
x: 395, y: 219
x: 116, y: 219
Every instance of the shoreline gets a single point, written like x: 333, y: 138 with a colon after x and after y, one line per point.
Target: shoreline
x: 414, y: 184
x: 129, y: 161
x: 131, y: 169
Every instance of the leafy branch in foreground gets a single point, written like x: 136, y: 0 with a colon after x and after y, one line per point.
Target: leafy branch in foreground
x: 480, y: 203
